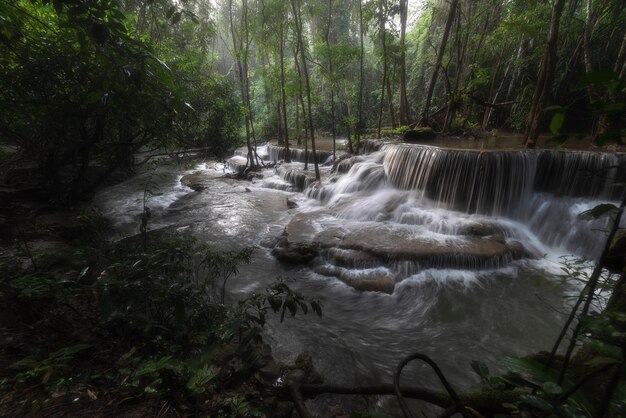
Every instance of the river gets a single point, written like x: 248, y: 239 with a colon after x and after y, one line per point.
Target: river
x: 459, y: 308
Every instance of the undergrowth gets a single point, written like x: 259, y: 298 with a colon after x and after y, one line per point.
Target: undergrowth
x: 121, y: 322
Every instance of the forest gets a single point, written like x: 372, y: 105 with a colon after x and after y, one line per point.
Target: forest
x: 201, y: 201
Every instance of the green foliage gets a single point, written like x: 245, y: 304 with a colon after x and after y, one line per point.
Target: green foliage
x: 81, y: 93
x: 138, y: 317
x: 399, y: 131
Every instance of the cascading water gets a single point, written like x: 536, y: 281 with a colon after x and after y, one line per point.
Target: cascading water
x: 452, y: 241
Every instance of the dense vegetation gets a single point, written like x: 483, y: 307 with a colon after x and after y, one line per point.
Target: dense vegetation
x: 87, y: 86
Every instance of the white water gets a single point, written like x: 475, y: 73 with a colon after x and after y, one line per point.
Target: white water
x: 455, y: 310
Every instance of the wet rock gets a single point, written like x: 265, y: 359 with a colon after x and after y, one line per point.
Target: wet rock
x: 295, y: 253
x: 400, y: 243
x: 298, y: 178
x: 343, y: 163
x: 352, y: 258
x: 518, y: 250
x: 252, y: 175
x: 291, y: 204
x: 480, y: 229
x: 374, y: 280
x: 616, y: 257
x: 237, y: 164
x: 196, y: 181
x: 295, y: 246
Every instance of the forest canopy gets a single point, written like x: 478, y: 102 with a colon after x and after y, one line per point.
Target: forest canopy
x: 87, y: 84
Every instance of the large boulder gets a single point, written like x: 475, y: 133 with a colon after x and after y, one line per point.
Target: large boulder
x: 360, y: 254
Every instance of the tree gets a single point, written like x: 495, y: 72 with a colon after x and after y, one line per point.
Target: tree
x: 544, y: 78
x: 297, y: 16
x: 241, y: 46
x: 440, y: 54
x: 404, y: 103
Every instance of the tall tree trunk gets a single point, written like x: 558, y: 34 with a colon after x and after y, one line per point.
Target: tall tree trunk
x: 359, y: 125
x: 298, y: 22
x: 383, y: 41
x: 238, y: 50
x: 440, y: 54
x: 392, y: 112
x: 544, y: 78
x: 404, y: 104
x: 331, y: 77
x: 304, y: 114
x: 283, y: 94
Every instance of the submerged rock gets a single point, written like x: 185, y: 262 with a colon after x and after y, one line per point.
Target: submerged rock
x: 480, y: 229
x: 373, y: 280
x: 196, y: 181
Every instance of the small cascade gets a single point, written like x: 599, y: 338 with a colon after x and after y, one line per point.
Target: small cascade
x: 364, y: 176
x: 300, y: 180
x: 276, y: 153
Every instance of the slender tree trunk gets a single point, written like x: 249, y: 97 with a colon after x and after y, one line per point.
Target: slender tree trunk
x: 383, y: 42
x: 359, y: 126
x: 404, y: 104
x: 544, y: 78
x: 440, y: 54
x: 246, y: 54
x: 282, y: 90
x: 298, y: 22
x: 304, y: 113
x: 238, y: 49
x: 518, y: 57
x: 331, y: 77
x: 392, y: 112
x: 279, y: 117
x: 461, y: 44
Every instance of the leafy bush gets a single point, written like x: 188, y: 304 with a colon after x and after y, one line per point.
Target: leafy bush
x: 81, y: 94
x: 135, y: 316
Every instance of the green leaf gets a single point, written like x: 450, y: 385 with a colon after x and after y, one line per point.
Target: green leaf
x: 557, y: 122
x: 529, y: 370
x: 551, y: 388
x: 82, y: 274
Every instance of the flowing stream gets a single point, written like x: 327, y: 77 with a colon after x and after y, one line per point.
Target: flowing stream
x: 466, y: 244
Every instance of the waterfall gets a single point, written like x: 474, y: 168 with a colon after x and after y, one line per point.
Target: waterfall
x: 544, y: 191
x: 581, y: 174
x: 493, y: 183
x: 502, y: 182
x: 276, y: 153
